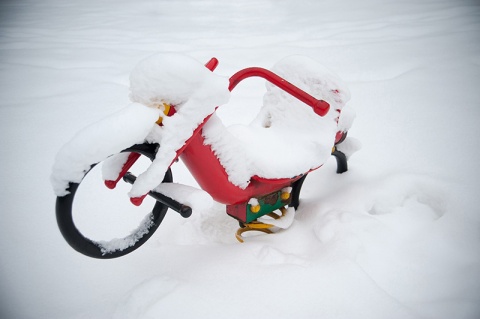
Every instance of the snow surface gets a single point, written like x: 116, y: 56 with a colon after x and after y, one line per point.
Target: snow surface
x: 395, y: 237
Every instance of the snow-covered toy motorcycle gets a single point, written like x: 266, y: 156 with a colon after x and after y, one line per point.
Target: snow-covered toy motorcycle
x: 256, y: 170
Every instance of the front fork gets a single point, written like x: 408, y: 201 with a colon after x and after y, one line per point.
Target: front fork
x: 132, y: 158
x: 168, y: 110
x: 148, y: 150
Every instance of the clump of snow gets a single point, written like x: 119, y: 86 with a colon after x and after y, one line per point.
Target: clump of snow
x: 197, y: 199
x: 287, y: 189
x: 99, y: 140
x: 310, y: 76
x: 287, y: 138
x: 117, y: 244
x: 349, y: 146
x: 113, y: 165
x: 172, y: 78
x: 346, y: 118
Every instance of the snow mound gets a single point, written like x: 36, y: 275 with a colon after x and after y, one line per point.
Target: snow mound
x: 174, y: 79
x: 99, y: 140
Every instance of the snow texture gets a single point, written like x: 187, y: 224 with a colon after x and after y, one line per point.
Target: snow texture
x: 397, y: 236
x: 128, y: 241
x: 96, y: 142
x: 197, y: 199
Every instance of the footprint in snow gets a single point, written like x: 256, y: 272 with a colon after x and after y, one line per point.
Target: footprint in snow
x: 416, y: 197
x: 404, y: 204
x: 143, y: 297
x: 271, y: 256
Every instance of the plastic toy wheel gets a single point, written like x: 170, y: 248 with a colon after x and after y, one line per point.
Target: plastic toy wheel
x: 105, y: 250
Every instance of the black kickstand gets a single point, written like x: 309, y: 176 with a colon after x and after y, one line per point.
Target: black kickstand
x: 342, y: 165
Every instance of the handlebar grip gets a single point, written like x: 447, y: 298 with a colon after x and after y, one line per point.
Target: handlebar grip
x: 212, y: 64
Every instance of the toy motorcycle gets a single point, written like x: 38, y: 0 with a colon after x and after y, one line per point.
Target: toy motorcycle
x: 219, y: 159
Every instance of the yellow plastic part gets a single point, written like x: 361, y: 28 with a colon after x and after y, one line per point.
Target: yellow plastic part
x: 165, y: 111
x: 255, y: 209
x: 258, y: 226
x: 285, y: 195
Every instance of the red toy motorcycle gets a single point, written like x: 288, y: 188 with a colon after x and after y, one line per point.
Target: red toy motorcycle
x: 260, y: 196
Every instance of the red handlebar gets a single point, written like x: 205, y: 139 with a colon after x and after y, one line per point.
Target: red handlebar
x: 320, y: 107
x: 212, y: 64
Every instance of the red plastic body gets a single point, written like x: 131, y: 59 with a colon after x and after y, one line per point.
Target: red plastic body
x: 212, y: 177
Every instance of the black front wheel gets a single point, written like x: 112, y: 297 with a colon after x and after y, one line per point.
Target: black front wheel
x: 119, y: 246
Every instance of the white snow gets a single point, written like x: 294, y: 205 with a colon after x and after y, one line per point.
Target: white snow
x: 128, y: 241
x: 96, y: 142
x: 113, y: 165
x: 197, y: 199
x: 397, y: 236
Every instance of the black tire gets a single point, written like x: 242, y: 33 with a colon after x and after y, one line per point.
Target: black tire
x: 88, y: 247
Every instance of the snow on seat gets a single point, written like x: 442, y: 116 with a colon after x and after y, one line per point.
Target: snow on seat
x: 286, y: 138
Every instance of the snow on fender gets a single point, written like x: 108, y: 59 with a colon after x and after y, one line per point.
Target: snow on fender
x: 98, y: 141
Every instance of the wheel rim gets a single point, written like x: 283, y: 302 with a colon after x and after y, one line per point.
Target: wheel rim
x: 99, y: 249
